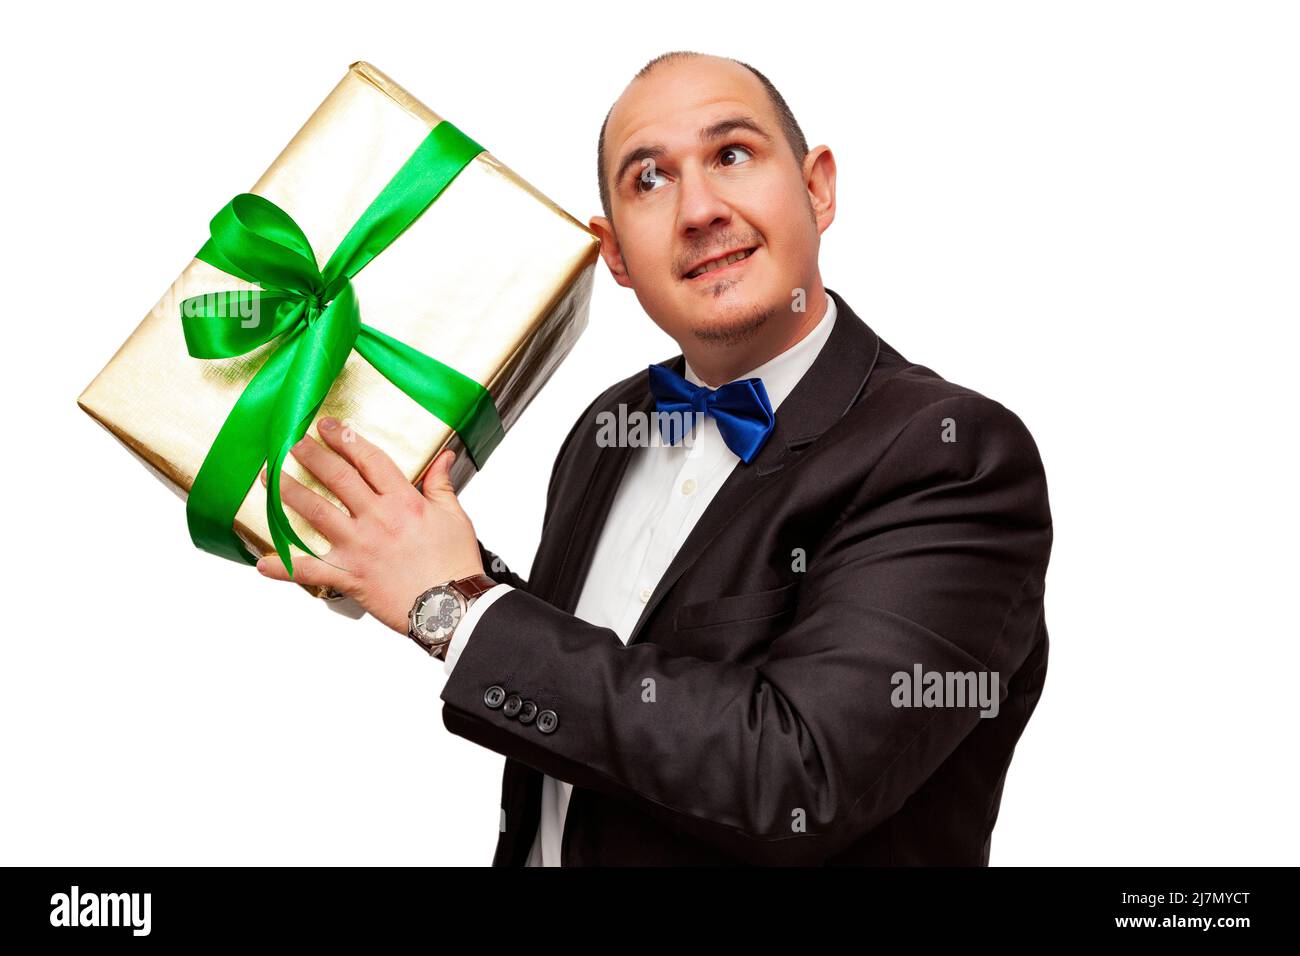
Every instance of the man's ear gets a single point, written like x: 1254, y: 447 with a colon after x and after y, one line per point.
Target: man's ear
x: 819, y: 174
x: 609, y: 250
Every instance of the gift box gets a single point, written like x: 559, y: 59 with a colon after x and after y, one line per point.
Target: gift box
x: 386, y: 264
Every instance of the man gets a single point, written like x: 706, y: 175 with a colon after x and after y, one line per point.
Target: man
x: 743, y: 648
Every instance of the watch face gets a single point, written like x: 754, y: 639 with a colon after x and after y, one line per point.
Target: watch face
x: 437, y: 616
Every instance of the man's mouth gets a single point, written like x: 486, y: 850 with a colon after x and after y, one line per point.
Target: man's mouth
x: 720, y: 262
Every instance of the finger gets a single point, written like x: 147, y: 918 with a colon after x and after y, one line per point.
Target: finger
x: 321, y: 513
x: 334, y: 473
x: 306, y: 570
x: 379, y: 471
x: 437, y: 477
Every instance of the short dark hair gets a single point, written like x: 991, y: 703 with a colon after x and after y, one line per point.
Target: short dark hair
x: 789, y: 125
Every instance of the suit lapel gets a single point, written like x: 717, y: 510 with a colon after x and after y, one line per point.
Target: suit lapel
x: 611, y: 462
x: 827, y: 390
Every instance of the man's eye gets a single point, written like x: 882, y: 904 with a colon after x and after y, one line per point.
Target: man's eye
x: 733, y: 149
x: 646, y: 178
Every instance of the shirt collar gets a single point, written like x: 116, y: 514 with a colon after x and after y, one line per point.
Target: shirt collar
x: 781, y: 373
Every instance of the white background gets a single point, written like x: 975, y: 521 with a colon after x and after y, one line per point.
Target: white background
x: 1090, y: 212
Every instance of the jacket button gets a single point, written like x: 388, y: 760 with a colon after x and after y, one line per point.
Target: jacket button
x: 527, y: 712
x: 547, y: 721
x: 495, y: 695
x: 513, y: 703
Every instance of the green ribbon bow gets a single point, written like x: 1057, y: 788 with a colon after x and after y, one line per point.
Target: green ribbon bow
x: 315, y: 314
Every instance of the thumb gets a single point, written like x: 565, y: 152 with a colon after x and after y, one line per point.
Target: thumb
x: 437, y: 478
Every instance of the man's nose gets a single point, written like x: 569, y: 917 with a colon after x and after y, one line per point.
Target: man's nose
x: 702, y: 206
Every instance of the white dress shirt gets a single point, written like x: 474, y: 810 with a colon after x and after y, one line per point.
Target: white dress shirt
x: 663, y: 493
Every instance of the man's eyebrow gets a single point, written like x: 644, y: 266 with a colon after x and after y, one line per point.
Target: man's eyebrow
x: 729, y: 125
x: 708, y: 134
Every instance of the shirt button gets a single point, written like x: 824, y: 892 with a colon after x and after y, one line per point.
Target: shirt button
x: 688, y: 486
x: 645, y: 595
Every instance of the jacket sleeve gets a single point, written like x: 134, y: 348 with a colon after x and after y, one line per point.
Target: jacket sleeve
x: 938, y: 561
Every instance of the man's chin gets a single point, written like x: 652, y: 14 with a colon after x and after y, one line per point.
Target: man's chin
x: 728, y: 323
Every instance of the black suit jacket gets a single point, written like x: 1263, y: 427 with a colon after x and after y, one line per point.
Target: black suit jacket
x: 750, y: 717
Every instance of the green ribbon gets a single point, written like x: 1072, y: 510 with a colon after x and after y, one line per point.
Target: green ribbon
x: 315, y: 315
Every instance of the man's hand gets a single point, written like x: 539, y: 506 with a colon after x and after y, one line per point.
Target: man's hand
x: 395, y: 544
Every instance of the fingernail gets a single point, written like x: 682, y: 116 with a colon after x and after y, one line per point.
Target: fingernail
x: 263, y: 476
x: 261, y: 565
x: 328, y: 423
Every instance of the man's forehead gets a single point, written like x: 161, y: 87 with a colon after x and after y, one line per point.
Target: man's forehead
x: 677, y: 98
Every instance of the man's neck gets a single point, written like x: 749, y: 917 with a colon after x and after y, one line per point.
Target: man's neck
x: 716, y: 364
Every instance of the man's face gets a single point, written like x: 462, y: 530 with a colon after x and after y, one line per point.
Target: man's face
x: 698, y: 168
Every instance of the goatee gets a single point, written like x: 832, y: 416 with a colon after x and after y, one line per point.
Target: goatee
x: 735, y: 331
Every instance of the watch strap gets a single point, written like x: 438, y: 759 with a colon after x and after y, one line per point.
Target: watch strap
x: 474, y: 585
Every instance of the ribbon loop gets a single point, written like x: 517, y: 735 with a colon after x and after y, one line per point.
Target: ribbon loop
x: 226, y: 324
x: 265, y: 245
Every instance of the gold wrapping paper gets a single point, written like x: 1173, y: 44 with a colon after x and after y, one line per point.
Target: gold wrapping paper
x: 493, y: 279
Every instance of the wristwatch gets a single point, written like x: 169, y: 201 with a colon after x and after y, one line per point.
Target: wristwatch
x: 437, y: 611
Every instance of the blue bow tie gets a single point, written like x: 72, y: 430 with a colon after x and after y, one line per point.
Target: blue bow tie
x: 741, y: 409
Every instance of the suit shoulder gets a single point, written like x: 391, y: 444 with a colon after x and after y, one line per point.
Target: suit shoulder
x: 912, y: 391
x: 920, y: 413
x: 950, y: 445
